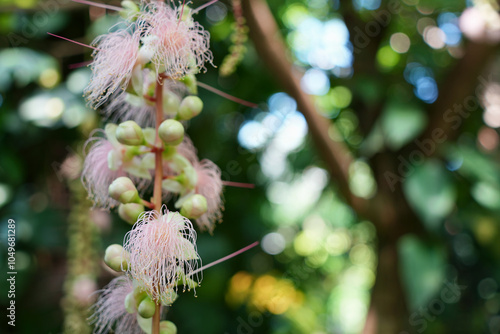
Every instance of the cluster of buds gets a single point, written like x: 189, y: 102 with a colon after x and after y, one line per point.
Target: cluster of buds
x: 120, y: 166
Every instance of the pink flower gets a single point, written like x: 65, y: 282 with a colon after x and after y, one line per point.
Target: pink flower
x: 178, y: 46
x: 162, y: 248
x: 210, y: 186
x: 96, y: 175
x: 109, y: 311
x: 112, y: 66
x: 187, y: 150
x: 106, y: 161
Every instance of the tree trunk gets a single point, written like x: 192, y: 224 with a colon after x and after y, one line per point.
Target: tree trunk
x: 388, y: 312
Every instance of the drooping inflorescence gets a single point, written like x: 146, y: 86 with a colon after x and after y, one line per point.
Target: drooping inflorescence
x: 144, y: 77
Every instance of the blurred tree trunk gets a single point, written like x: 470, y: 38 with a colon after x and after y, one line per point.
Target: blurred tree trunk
x: 387, y: 312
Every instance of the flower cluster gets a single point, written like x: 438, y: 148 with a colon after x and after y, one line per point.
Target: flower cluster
x: 143, y: 75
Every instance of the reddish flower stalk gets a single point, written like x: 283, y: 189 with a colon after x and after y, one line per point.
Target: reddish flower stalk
x: 157, y: 191
x: 97, y: 4
x: 72, y: 41
x: 226, y: 95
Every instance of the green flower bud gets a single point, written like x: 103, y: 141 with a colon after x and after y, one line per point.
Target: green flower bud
x: 130, y: 5
x: 171, y: 132
x: 190, y: 82
x: 130, y: 212
x: 129, y: 133
x: 146, y: 308
x: 130, y: 303
x: 171, y: 103
x: 168, y: 327
x: 123, y: 190
x: 190, y: 107
x: 116, y: 258
x: 139, y: 295
x: 194, y: 207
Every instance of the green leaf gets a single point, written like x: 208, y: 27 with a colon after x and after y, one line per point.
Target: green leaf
x: 401, y: 123
x: 430, y: 192
x: 422, y: 266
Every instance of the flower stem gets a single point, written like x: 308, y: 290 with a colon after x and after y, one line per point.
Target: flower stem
x: 157, y: 196
x: 156, y: 320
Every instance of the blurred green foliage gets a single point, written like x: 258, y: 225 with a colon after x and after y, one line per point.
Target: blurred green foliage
x: 318, y: 258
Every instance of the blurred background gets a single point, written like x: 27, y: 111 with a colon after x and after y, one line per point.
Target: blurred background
x: 376, y: 170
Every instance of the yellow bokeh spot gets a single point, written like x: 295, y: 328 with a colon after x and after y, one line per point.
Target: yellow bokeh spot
x: 239, y: 288
x: 306, y: 243
x: 49, y: 78
x: 25, y: 4
x: 54, y: 108
x: 485, y: 230
x: 387, y: 58
x: 340, y: 97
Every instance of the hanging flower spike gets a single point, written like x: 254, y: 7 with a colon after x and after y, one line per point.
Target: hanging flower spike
x: 210, y: 186
x: 113, y: 63
x: 178, y: 46
x: 162, y: 248
x: 109, y: 311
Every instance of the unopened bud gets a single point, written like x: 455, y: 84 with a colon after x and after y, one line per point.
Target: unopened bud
x: 190, y: 107
x: 190, y: 82
x: 116, y: 258
x: 171, y: 132
x: 168, y: 327
x: 194, y: 207
x: 130, y: 133
x: 146, y: 308
x: 130, y: 5
x: 130, y: 212
x: 171, y: 103
x: 123, y: 190
x: 139, y: 295
x: 130, y: 303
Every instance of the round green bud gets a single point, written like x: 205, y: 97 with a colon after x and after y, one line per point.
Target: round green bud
x: 146, y: 308
x: 171, y: 132
x: 130, y: 212
x: 130, y: 303
x: 168, y: 327
x: 116, y: 258
x: 171, y: 103
x: 123, y: 190
x: 130, y: 5
x: 190, y: 82
x: 194, y: 207
x: 190, y: 107
x: 130, y: 133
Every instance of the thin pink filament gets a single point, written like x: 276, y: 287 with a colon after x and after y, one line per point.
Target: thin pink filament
x: 204, y: 6
x: 238, y: 184
x: 96, y: 4
x: 226, y: 95
x: 72, y: 41
x: 225, y: 258
x: 78, y: 65
x: 182, y: 11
